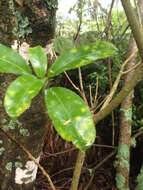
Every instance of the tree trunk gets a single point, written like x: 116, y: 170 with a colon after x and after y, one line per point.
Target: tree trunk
x: 123, y: 156
x: 31, y: 21
x: 123, y: 160
x: 140, y: 175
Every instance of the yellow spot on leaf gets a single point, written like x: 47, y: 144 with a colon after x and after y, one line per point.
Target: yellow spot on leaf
x: 85, y: 126
x: 68, y: 97
x: 8, y: 101
x: 83, y: 109
x: 95, y: 46
x: 77, y: 118
x: 67, y: 122
x: 11, y: 92
x: 21, y: 109
x: 4, y: 57
x: 91, y: 58
x: 74, y: 51
x: 81, y: 63
x: 31, y: 92
x: 86, y: 48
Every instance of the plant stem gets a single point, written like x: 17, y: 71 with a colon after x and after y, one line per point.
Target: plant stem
x: 77, y: 170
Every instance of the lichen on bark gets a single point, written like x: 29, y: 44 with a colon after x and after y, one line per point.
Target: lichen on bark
x: 31, y: 128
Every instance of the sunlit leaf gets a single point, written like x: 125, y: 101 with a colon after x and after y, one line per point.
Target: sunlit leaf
x: 38, y: 60
x: 81, y: 56
x: 71, y: 117
x: 20, y: 93
x: 12, y: 62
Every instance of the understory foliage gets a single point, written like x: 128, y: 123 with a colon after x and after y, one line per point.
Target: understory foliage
x: 94, y: 26
x: 86, y: 55
x: 72, y: 119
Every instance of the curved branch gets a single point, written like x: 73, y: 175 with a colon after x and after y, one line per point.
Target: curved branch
x: 121, y: 95
x: 137, y: 33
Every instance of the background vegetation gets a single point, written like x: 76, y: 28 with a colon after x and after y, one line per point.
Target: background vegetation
x: 115, y: 159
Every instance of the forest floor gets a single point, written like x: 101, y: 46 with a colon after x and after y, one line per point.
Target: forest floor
x: 59, y: 157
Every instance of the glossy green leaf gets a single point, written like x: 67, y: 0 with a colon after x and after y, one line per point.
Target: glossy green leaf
x: 38, y: 60
x: 81, y: 56
x: 71, y: 117
x: 20, y: 93
x: 12, y: 62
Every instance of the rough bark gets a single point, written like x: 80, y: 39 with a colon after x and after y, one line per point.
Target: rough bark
x: 17, y: 171
x: 140, y: 175
x: 126, y: 118
x: 122, y: 160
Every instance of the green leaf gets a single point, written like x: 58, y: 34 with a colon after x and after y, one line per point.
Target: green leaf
x: 71, y: 117
x: 62, y: 44
x: 38, y: 60
x: 81, y: 56
x: 20, y: 93
x: 12, y: 62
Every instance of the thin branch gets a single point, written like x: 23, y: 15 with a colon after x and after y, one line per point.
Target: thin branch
x: 131, y: 69
x: 122, y: 35
x: 138, y: 75
x: 109, y: 62
x: 30, y: 156
x: 78, y: 30
x: 59, y: 153
x: 137, y: 134
x: 96, y: 91
x: 109, y: 19
x: 75, y: 87
x: 90, y: 95
x: 104, y: 146
x: 81, y: 86
x: 106, y: 29
x: 115, y: 85
x: 61, y: 171
x: 99, y: 105
x: 97, y: 166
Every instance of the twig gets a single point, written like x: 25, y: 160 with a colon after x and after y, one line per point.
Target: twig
x: 78, y: 30
x: 61, y: 171
x: 122, y: 35
x: 129, y: 70
x: 96, y: 91
x: 58, y: 153
x: 76, y: 88
x: 137, y: 134
x: 30, y: 156
x: 104, y: 146
x: 81, y: 86
x: 115, y: 85
x: 64, y: 170
x: 99, y: 105
x: 97, y: 166
x: 109, y: 20
x: 106, y: 29
x: 91, y: 98
x: 109, y: 61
